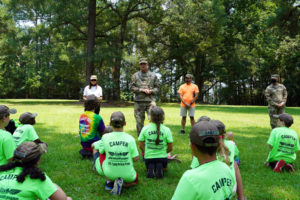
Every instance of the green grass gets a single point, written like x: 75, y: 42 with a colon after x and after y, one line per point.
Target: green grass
x: 57, y: 125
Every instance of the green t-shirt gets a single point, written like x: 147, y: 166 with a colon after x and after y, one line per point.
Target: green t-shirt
x: 7, y: 146
x: 209, y: 181
x: 25, y: 133
x: 149, y: 134
x: 30, y: 189
x: 285, y: 143
x: 120, y: 148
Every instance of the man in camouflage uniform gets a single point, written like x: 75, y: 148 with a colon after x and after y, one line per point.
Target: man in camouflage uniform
x: 276, y: 95
x: 145, y: 85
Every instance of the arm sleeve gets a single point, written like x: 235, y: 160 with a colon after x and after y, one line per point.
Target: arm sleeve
x: 142, y: 136
x: 268, y: 96
x: 133, y: 149
x: 271, y: 138
x: 236, y: 151
x: 133, y: 87
x: 284, y: 95
x: 101, y: 126
x: 156, y: 85
x: 196, y: 89
x: 32, y: 135
x: 100, y: 91
x: 179, y: 90
x: 9, y: 147
x: 45, y: 189
x: 85, y: 91
x: 100, y: 146
x: 169, y: 136
x: 184, y: 190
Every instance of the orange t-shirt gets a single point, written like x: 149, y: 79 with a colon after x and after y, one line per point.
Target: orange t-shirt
x: 187, y: 93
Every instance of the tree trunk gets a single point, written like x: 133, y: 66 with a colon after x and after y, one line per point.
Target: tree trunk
x: 90, y: 41
x: 199, y: 79
x: 116, y: 69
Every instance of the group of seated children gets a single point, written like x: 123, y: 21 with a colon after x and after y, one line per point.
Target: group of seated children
x: 20, y: 177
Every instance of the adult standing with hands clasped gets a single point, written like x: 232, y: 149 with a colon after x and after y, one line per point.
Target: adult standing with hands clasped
x: 144, y: 84
x: 188, y: 94
x: 276, y: 95
x: 95, y: 89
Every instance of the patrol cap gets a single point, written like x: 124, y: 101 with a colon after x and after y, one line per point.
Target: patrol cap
x: 203, y: 118
x: 202, y: 131
x: 27, y: 152
x: 117, y: 119
x: 286, y: 118
x: 4, y: 110
x: 143, y: 61
x: 275, y: 76
x: 188, y: 76
x: 93, y: 77
x: 218, y: 124
x: 26, y: 117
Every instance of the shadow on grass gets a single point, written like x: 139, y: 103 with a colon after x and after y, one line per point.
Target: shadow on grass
x: 39, y: 101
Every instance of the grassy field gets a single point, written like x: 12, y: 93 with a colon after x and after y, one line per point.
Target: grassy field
x: 57, y: 125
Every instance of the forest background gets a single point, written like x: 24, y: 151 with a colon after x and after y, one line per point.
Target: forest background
x: 49, y: 48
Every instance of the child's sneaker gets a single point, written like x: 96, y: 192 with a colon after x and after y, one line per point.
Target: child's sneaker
x: 151, y: 173
x: 159, y: 170
x: 116, y: 190
x: 279, y: 165
x: 289, y: 168
x: 182, y: 132
x: 109, y: 185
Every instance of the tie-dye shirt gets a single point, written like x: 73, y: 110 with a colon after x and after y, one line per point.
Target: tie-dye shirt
x: 91, y: 126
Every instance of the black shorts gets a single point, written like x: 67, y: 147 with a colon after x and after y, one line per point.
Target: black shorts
x: 164, y: 161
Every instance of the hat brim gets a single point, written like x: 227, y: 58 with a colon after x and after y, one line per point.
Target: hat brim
x: 143, y: 62
x: 12, y: 111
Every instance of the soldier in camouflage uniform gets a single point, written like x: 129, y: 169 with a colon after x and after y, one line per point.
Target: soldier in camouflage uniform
x: 145, y: 85
x: 276, y: 95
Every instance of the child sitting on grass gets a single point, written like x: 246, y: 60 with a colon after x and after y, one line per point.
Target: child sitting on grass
x: 26, y: 132
x: 7, y: 143
x: 156, y: 141
x: 213, y: 178
x: 91, y: 126
x: 22, y: 179
x: 284, y: 143
x: 114, y: 155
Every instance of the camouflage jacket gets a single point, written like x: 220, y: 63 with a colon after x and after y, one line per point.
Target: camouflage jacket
x: 276, y: 94
x: 140, y: 81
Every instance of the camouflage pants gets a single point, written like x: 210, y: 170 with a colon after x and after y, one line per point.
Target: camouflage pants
x: 275, y: 111
x: 139, y: 113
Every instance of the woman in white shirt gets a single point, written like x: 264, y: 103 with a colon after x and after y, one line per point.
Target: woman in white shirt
x: 95, y: 89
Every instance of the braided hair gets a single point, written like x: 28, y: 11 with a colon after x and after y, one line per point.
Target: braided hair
x: 157, y: 116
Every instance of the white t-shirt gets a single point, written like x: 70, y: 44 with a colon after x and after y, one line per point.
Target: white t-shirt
x: 95, y: 90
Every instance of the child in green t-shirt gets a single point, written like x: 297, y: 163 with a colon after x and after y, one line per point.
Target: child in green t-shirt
x: 26, y: 132
x: 284, y: 143
x: 7, y: 144
x: 26, y: 180
x: 212, y: 179
x: 156, y: 141
x: 114, y: 155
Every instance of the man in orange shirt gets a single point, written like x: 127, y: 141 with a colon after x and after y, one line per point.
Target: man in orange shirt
x: 188, y: 94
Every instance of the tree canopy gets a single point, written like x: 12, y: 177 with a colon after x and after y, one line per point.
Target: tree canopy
x: 49, y: 49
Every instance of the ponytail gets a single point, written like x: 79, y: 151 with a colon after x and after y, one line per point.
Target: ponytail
x: 223, y: 152
x: 157, y: 132
x: 27, y: 169
x: 157, y: 116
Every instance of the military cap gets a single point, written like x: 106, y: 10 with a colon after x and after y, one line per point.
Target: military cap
x: 143, y: 61
x: 275, y: 76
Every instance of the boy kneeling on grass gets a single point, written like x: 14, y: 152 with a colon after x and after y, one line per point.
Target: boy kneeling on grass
x: 212, y: 179
x: 284, y: 143
x: 26, y: 132
x: 114, y: 155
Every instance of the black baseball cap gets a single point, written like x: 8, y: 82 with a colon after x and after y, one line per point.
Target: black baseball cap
x: 203, y: 130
